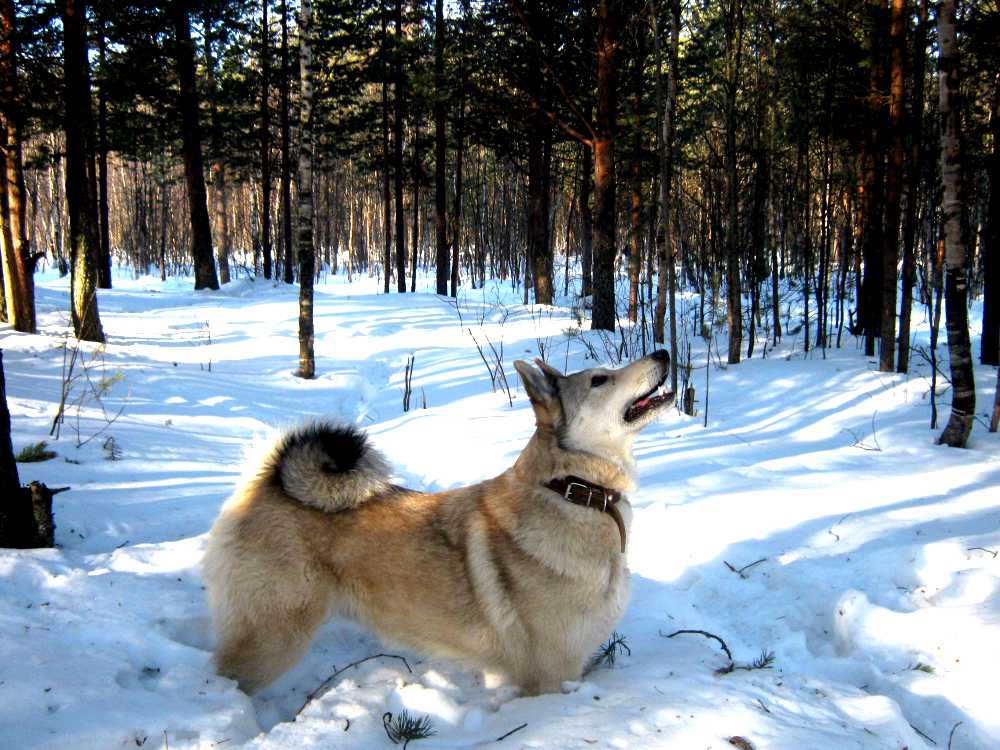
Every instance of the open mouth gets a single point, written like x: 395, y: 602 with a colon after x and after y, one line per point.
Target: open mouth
x: 656, y: 397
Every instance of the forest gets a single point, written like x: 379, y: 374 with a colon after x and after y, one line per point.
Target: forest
x: 220, y: 219
x: 847, y: 150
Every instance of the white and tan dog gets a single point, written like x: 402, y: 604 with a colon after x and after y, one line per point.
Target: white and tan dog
x: 523, y: 574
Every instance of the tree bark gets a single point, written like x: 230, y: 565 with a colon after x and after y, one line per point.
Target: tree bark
x: 609, y: 19
x: 104, y: 214
x: 307, y: 251
x: 440, y: 154
x: 734, y: 285
x: 18, y: 264
x: 637, y: 212
x: 398, y: 99
x: 201, y: 230
x: 990, y: 353
x: 220, y: 207
x: 873, y: 160
x: 586, y: 219
x: 913, y: 189
x: 539, y: 249
x: 963, y: 403
x: 82, y: 211
x: 893, y: 184
x: 265, y: 140
x: 286, y: 152
x: 386, y: 172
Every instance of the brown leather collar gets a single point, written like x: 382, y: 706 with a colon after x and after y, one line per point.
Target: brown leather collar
x: 581, y: 492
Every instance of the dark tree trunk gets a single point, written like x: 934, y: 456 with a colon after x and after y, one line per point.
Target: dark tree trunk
x: 873, y: 160
x: 201, y: 230
x: 913, y: 189
x: 991, y: 250
x: 637, y: 212
x: 440, y: 155
x: 265, y: 140
x: 25, y: 512
x: 398, y: 99
x: 456, y: 214
x: 104, y: 256
x: 83, y: 228
x: 605, y: 182
x: 307, y: 250
x: 18, y: 263
x: 734, y: 285
x: 286, y: 152
x: 539, y: 249
x: 386, y: 170
x: 963, y: 403
x: 893, y: 185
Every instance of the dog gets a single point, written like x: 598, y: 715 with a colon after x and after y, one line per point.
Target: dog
x: 523, y: 575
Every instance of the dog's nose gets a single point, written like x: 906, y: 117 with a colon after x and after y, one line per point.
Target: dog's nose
x: 661, y: 355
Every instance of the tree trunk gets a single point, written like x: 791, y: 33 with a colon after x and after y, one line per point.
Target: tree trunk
x: 201, y: 230
x: 82, y: 211
x: 456, y: 214
x: 398, y: 98
x: 636, y: 214
x: 539, y: 249
x: 220, y: 207
x: 386, y: 172
x: 18, y: 263
x: 734, y: 285
x: 893, y: 185
x: 307, y: 252
x: 440, y: 154
x: 286, y: 151
x: 104, y: 215
x: 586, y: 220
x: 912, y: 190
x: 605, y: 183
x: 963, y: 403
x: 990, y: 354
x: 873, y: 160
x: 265, y: 140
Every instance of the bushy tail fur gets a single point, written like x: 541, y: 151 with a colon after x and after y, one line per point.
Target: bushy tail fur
x: 329, y: 466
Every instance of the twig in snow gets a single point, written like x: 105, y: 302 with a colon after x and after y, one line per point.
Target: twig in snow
x: 761, y: 704
x: 982, y: 549
x: 923, y: 735
x: 951, y: 735
x: 729, y: 654
x: 739, y: 572
x: 502, y: 737
x: 860, y: 443
x: 329, y: 680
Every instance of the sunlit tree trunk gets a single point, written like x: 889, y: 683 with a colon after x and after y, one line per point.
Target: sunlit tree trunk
x: 18, y: 262
x: 963, y: 402
x: 893, y: 185
x: 605, y: 182
x: 286, y: 152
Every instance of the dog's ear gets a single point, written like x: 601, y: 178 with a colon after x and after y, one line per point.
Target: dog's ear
x: 550, y: 372
x: 543, y: 390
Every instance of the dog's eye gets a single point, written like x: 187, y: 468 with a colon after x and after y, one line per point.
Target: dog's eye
x: 598, y: 380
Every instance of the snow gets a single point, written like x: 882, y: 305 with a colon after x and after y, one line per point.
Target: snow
x: 814, y: 517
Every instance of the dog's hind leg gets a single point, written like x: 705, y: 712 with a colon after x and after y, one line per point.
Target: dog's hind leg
x: 256, y: 652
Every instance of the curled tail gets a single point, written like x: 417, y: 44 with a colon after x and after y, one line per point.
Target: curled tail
x: 328, y: 466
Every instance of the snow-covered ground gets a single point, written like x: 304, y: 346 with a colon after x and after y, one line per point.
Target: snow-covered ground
x: 868, y: 554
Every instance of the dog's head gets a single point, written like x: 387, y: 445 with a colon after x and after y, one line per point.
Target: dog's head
x: 598, y: 410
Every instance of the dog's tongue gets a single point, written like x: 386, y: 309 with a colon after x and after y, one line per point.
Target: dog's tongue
x: 641, y: 402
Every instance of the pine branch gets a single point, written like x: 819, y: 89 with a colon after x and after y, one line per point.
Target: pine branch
x: 404, y: 728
